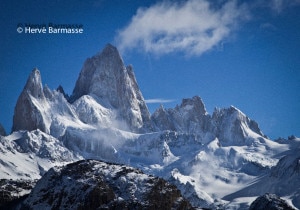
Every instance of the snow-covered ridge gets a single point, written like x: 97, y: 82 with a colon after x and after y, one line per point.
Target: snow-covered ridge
x: 28, y: 155
x: 106, y: 94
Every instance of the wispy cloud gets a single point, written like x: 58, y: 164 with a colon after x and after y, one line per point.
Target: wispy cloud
x: 279, y: 5
x: 158, y: 101
x: 192, y: 27
x: 267, y: 27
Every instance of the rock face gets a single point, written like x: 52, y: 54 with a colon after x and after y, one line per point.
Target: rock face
x: 233, y: 127
x: 288, y: 166
x: 270, y: 202
x: 104, y: 78
x: 91, y: 184
x: 230, y: 126
x: 27, y: 115
x: 114, y: 85
x: 43, y: 109
x: 2, y: 131
x: 188, y: 117
x: 286, y: 175
x: 10, y: 192
x: 62, y: 91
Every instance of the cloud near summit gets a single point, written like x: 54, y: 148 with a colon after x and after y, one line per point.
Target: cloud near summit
x: 158, y: 101
x: 191, y: 27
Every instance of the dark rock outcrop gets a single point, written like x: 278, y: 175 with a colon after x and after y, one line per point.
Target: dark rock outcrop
x: 2, y: 131
x: 10, y: 192
x: 270, y: 202
x: 91, y: 184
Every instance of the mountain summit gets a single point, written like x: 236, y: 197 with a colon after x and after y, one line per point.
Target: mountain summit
x: 105, y: 77
x: 26, y: 115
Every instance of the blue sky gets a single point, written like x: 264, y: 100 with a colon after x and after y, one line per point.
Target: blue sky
x: 241, y: 53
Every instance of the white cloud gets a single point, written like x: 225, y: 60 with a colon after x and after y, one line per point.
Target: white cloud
x: 158, y: 101
x: 192, y: 27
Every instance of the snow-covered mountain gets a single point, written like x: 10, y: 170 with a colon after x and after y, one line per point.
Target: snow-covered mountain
x: 105, y: 77
x: 44, y: 109
x: 222, y: 160
x: 229, y: 125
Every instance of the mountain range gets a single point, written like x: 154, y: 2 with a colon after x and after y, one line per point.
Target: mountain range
x: 216, y: 161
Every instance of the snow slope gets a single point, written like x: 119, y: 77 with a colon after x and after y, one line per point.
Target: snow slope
x: 28, y: 155
x: 283, y: 179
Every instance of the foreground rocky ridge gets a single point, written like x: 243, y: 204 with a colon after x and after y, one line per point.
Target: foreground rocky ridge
x: 92, y: 184
x: 271, y: 202
x: 106, y: 118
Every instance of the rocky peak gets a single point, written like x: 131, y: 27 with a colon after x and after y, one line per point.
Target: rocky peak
x: 231, y: 111
x: 62, y: 91
x: 99, y: 75
x: 159, y: 113
x: 162, y: 119
x: 111, y: 52
x: 114, y: 85
x: 232, y: 126
x: 34, y: 84
x: 26, y: 114
x: 194, y: 105
x: 189, y: 116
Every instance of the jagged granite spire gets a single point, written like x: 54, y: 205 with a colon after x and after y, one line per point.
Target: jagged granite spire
x: 114, y: 85
x: 62, y: 91
x: 34, y: 84
x: 99, y: 74
x: 26, y: 115
x: 189, y: 116
x: 232, y: 126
